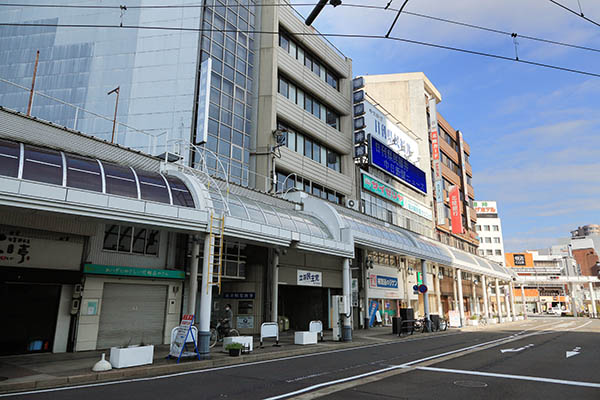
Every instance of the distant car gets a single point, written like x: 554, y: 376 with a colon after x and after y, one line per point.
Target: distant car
x: 555, y: 310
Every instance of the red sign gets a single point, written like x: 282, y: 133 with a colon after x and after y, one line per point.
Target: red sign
x: 187, y: 320
x: 435, y: 155
x: 455, y: 210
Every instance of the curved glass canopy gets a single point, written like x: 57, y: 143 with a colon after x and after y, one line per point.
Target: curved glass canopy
x: 18, y: 160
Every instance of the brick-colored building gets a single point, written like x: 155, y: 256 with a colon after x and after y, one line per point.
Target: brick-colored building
x: 587, y: 260
x: 457, y: 171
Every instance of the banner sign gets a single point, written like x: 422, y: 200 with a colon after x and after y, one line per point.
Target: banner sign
x: 245, y: 322
x: 132, y: 271
x: 455, y: 210
x: 310, y: 278
x: 381, y: 281
x: 178, y: 344
x: 389, y: 161
x: 376, y: 123
x: 239, y: 295
x: 354, y: 288
x: 203, y: 101
x: 436, y: 162
x: 383, y: 190
x: 387, y: 192
x: 485, y: 207
x: 373, y: 308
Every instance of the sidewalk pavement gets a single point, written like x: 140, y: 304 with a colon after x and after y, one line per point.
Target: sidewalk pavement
x: 47, y: 370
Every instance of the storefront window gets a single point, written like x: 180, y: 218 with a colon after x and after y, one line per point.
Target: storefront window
x: 129, y: 239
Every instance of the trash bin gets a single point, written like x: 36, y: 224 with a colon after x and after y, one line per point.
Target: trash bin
x: 396, y: 321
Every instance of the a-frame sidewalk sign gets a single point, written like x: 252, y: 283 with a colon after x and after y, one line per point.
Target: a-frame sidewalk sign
x: 179, y: 343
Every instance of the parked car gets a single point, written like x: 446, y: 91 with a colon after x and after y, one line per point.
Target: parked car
x: 556, y: 310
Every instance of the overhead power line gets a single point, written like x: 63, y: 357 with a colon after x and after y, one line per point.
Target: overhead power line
x: 350, y: 5
x: 340, y: 35
x: 579, y: 14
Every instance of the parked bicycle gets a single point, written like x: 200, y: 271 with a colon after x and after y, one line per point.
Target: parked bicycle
x: 219, y: 332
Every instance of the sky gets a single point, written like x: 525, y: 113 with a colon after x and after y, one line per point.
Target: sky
x: 534, y: 132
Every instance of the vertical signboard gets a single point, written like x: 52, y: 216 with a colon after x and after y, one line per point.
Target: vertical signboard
x: 437, y: 162
x: 455, y: 210
x: 203, y: 101
x: 463, y: 167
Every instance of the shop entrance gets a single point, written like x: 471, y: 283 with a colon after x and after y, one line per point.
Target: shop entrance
x: 303, y: 304
x: 28, y: 313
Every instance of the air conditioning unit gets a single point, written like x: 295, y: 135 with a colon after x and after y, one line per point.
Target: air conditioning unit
x: 353, y: 204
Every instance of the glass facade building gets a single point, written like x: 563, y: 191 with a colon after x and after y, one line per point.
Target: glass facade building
x: 156, y: 70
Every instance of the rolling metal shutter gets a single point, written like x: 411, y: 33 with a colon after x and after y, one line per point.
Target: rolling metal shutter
x: 132, y: 314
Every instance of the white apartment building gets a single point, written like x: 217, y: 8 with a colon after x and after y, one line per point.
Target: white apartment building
x: 489, y: 229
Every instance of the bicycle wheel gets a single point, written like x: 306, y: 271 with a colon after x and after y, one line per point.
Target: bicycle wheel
x: 214, y: 337
x: 233, y: 332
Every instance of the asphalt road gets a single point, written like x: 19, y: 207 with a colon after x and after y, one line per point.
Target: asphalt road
x: 350, y: 373
x: 537, y: 368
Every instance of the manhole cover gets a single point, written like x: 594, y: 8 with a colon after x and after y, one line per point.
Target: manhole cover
x: 470, y: 384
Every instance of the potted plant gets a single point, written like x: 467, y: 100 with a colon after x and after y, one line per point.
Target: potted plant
x: 234, y: 349
x: 474, y: 320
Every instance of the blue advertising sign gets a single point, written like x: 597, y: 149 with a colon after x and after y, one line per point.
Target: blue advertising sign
x: 383, y: 281
x: 372, y: 311
x: 386, y: 159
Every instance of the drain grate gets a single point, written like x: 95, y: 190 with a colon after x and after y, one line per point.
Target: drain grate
x: 471, y: 384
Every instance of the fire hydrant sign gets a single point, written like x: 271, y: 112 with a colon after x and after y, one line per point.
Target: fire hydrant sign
x: 183, y: 331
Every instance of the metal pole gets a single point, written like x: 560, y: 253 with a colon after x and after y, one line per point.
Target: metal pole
x: 275, y: 286
x: 205, y: 303
x: 191, y: 308
x: 523, y: 301
x: 498, y: 309
x: 76, y: 117
x: 461, y: 305
x: 35, y: 67
x: 116, y: 90
x: 438, y: 292
x: 512, y: 300
x: 346, y: 321
x: 454, y: 291
x: 593, y: 298
x: 426, y: 296
x: 507, y: 302
x: 485, y: 297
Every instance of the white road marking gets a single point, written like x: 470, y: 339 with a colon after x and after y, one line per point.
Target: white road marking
x: 581, y: 326
x: 201, y: 371
x: 509, y: 376
x: 573, y: 352
x: 516, y: 350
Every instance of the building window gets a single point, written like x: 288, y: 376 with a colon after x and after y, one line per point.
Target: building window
x: 495, y: 228
x: 488, y: 240
x: 286, y: 181
x: 129, y: 239
x: 498, y: 252
x: 496, y: 240
x: 311, y: 62
x: 310, y: 148
x: 481, y: 252
x: 489, y: 252
x: 309, y: 103
x: 486, y: 228
x: 469, y: 180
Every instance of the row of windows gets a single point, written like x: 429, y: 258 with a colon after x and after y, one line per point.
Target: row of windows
x: 454, y: 167
x: 448, y: 139
x: 489, y: 252
x: 129, y: 239
x: 309, y: 103
x: 379, y: 208
x: 311, y: 62
x: 57, y: 168
x: 489, y: 240
x: 480, y: 228
x: 288, y: 181
x: 302, y: 144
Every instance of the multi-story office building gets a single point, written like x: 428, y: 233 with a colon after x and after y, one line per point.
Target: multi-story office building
x: 457, y: 174
x: 489, y: 230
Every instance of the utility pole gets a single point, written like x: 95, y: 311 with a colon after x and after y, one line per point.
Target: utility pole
x: 35, y: 67
x: 115, y: 90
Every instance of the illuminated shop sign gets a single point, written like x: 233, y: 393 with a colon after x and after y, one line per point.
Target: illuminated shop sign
x: 382, y: 281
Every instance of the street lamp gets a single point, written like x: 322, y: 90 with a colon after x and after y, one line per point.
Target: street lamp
x: 115, y: 90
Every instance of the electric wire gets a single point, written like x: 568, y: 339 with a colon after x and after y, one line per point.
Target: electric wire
x: 348, y: 5
x: 339, y: 35
x: 575, y: 12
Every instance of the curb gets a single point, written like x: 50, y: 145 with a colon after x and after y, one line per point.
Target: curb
x: 149, y: 371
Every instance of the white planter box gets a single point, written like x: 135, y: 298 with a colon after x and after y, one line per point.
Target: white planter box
x: 492, y: 321
x: 305, y: 338
x: 245, y: 341
x: 473, y: 322
x: 131, y: 356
